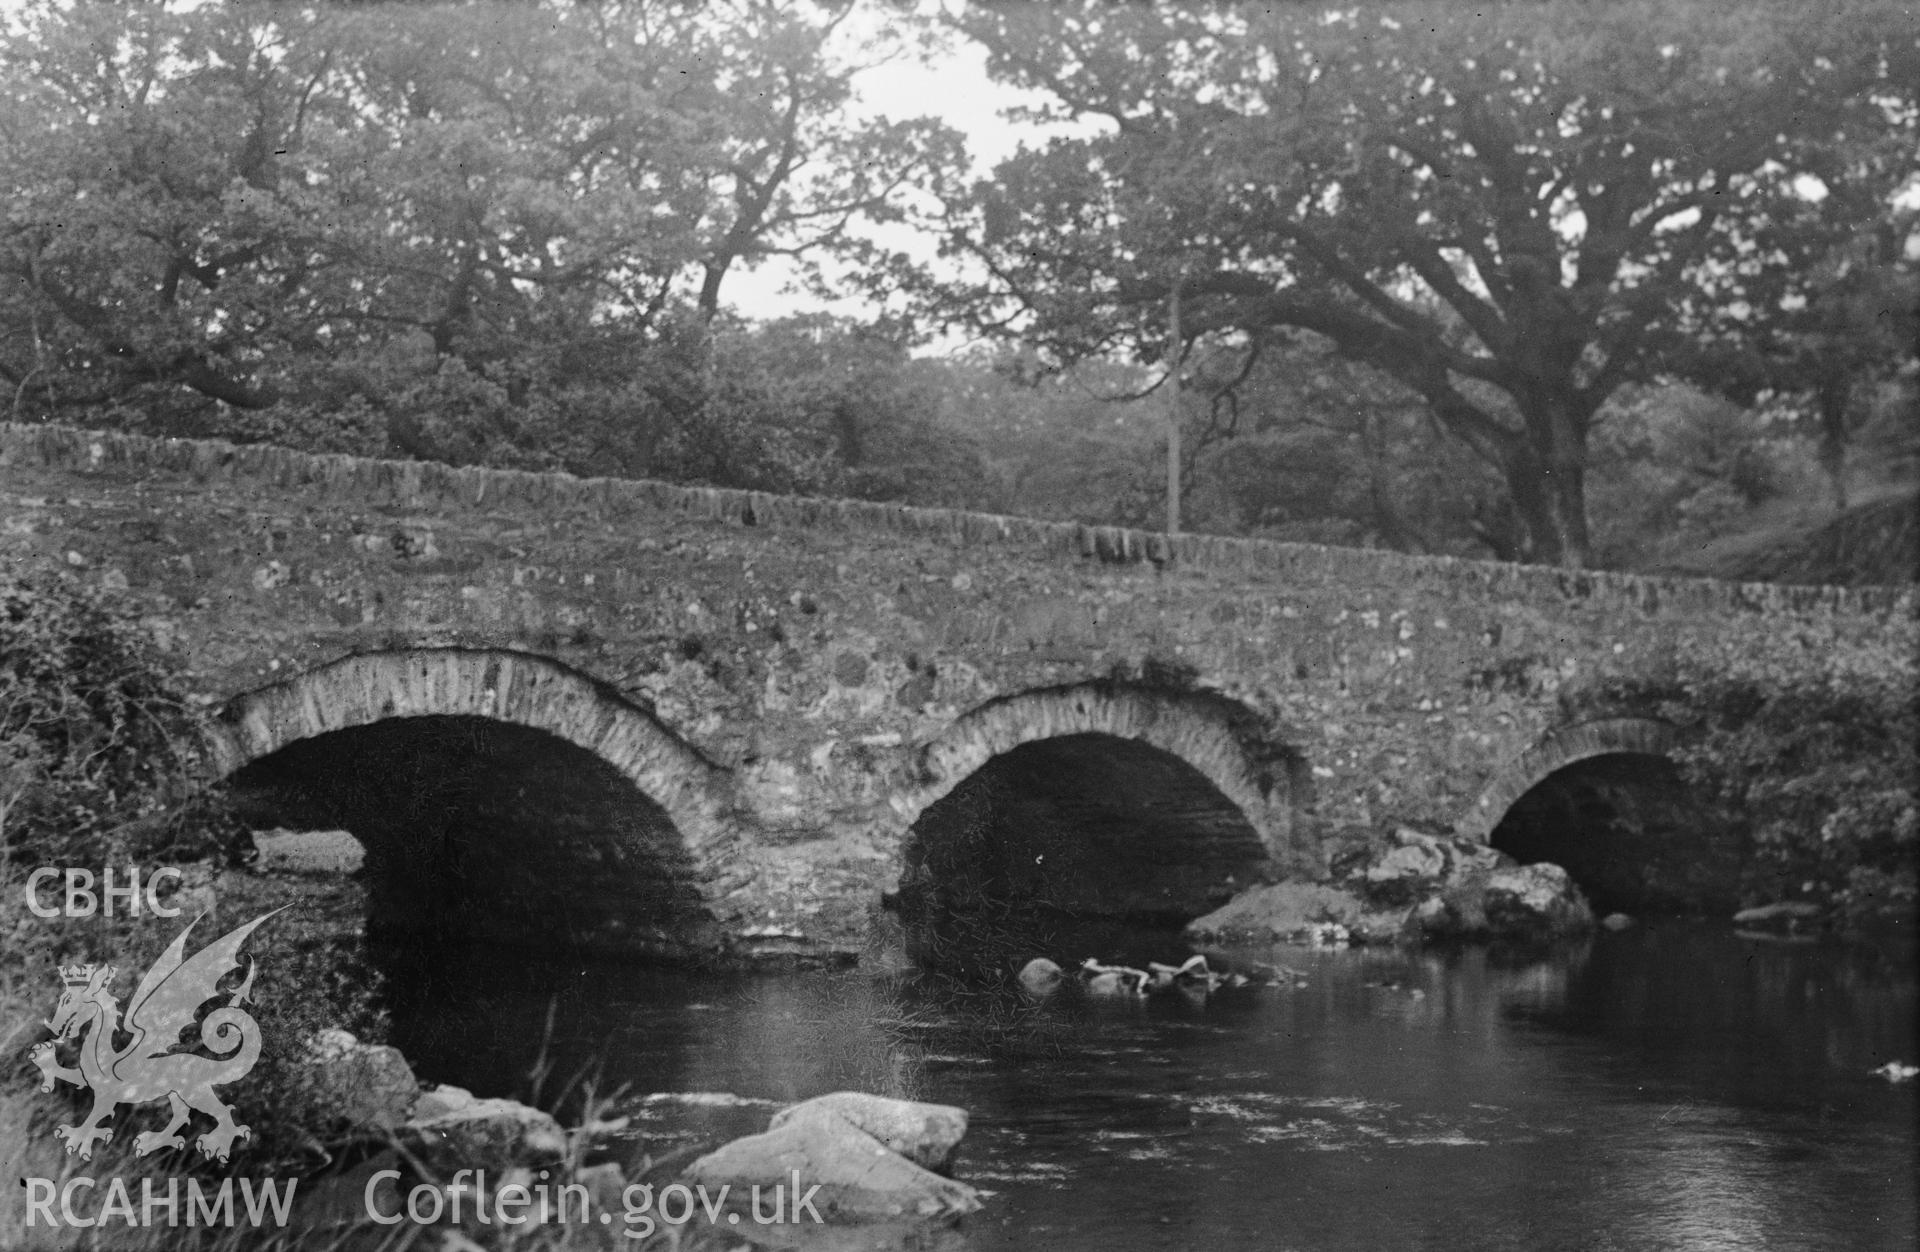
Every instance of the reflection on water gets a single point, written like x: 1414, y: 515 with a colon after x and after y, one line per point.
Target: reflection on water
x: 1670, y: 1086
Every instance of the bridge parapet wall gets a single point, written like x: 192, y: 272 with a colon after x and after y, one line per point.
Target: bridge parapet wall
x: 429, y: 486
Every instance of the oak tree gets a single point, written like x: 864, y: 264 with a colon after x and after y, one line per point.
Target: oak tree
x: 1510, y: 210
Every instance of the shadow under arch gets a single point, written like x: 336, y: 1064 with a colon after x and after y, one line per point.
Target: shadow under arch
x: 499, y: 685
x: 1557, y: 749
x: 1605, y: 801
x: 1222, y: 741
x: 1042, y: 818
x: 500, y: 796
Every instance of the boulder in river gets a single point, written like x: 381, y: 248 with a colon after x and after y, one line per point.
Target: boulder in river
x: 925, y: 1134
x: 1041, y: 977
x: 1414, y: 867
x: 1523, y: 902
x: 1419, y: 884
x: 1417, y: 866
x: 1278, y: 912
x: 453, y: 1129
x: 849, y: 1173
x: 1537, y: 901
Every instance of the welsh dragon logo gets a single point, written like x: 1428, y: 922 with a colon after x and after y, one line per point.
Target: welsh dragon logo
x: 148, y: 1068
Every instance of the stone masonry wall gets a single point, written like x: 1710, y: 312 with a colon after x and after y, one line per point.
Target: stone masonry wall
x: 809, y: 651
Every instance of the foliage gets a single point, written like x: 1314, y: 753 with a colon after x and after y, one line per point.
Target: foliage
x: 308, y: 981
x: 1440, y: 274
x: 1071, y: 445
x: 854, y: 400
x: 1311, y: 446
x: 1822, y: 780
x: 1876, y: 541
x: 1842, y: 360
x: 1510, y: 211
x: 94, y: 731
x: 253, y: 217
x: 1674, y: 469
x: 99, y: 757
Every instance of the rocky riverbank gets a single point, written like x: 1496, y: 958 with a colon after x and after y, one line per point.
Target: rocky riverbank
x: 1418, y: 886
x: 382, y: 1141
x: 845, y: 1170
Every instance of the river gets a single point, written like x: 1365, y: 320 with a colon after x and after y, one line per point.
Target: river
x: 1672, y: 1085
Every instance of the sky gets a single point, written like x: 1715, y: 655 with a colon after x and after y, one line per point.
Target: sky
x: 953, y: 86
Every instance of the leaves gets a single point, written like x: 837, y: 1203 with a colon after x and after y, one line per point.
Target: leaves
x: 1510, y: 212
x: 93, y: 728
x: 1822, y: 778
x: 252, y: 209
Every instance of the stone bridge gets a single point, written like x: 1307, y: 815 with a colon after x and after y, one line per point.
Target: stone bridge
x: 633, y: 716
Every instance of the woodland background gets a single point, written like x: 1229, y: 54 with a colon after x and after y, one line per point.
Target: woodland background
x: 1627, y: 285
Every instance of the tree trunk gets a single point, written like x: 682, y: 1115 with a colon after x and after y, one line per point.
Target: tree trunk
x: 1550, y: 500
x: 1527, y: 489
x: 1387, y: 522
x: 1566, y: 492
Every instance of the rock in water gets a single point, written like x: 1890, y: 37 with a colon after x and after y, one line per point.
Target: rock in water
x: 1040, y: 976
x: 1527, y: 903
x: 925, y: 1134
x: 1419, y: 866
x: 1280, y: 911
x: 1535, y: 901
x: 858, y: 1175
x: 1406, y: 873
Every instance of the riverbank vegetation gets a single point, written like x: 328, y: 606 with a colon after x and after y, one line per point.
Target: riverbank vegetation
x: 1645, y: 297
x: 1818, y: 782
x: 100, y: 761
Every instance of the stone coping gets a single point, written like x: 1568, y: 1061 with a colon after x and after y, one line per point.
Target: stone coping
x: 424, y: 485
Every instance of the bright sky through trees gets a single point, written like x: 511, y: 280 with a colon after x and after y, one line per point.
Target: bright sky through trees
x: 950, y: 83
x: 615, y: 236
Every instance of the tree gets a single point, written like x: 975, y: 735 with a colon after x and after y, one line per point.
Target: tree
x: 1080, y: 444
x: 852, y: 394
x: 797, y: 169
x: 301, y: 221
x: 1847, y: 354
x: 1301, y: 443
x: 1511, y: 211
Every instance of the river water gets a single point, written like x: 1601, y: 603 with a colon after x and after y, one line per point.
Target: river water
x: 1669, y: 1086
